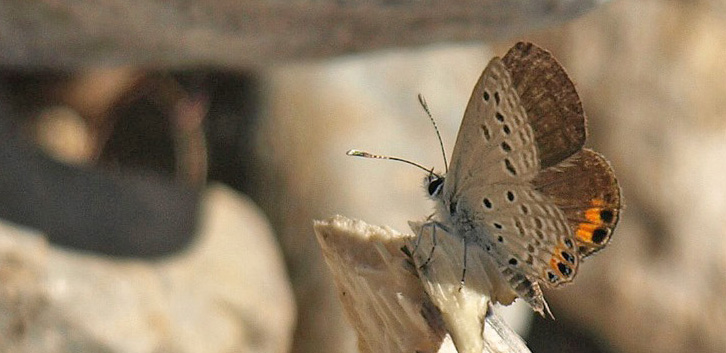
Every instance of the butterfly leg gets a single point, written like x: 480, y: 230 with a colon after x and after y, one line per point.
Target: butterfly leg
x: 433, y: 245
x: 463, y: 270
x: 434, y: 225
x: 433, y: 241
x: 418, y: 237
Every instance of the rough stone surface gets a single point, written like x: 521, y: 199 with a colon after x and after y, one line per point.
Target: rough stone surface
x: 69, y: 33
x: 228, y: 292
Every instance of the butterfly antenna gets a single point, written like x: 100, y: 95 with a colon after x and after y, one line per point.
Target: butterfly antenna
x: 364, y: 154
x: 425, y: 106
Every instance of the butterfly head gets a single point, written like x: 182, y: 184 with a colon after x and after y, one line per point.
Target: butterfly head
x: 434, y: 184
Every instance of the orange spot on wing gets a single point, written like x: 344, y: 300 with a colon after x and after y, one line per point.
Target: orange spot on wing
x: 584, y: 232
x: 553, y: 264
x: 593, y: 215
x: 558, y: 258
x: 587, y: 227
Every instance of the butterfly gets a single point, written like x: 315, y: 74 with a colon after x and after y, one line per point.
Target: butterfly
x: 520, y: 185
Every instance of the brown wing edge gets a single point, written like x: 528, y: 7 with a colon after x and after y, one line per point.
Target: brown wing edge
x: 553, y: 106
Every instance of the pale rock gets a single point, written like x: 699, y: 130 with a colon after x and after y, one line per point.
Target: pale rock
x: 227, y: 292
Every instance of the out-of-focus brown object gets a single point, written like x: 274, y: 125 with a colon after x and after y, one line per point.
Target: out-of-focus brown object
x: 66, y: 33
x: 144, y: 129
x: 210, y: 298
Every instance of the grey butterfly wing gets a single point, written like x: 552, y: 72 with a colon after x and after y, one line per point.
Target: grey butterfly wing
x: 524, y: 230
x: 487, y: 135
x: 488, y: 189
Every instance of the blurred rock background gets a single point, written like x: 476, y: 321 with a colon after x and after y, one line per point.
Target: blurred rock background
x: 147, y: 121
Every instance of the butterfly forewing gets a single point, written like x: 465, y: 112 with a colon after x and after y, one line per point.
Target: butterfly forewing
x: 494, y: 143
x: 550, y: 100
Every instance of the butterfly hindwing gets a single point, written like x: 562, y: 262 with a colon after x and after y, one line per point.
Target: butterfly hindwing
x: 584, y: 187
x: 524, y: 230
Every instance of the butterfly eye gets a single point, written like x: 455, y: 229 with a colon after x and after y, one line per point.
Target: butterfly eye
x: 434, y: 187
